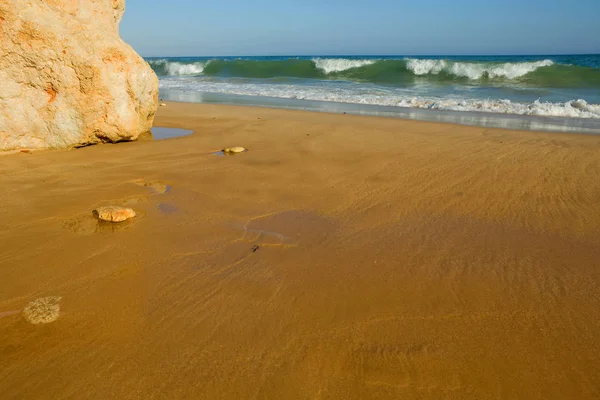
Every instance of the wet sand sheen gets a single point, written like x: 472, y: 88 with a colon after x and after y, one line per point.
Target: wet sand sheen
x: 395, y: 259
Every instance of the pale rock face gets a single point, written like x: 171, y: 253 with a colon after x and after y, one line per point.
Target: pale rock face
x: 66, y: 77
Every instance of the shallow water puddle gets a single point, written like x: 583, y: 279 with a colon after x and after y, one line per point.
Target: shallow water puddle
x: 276, y: 235
x: 155, y: 186
x: 166, y: 208
x: 290, y: 227
x: 159, y: 133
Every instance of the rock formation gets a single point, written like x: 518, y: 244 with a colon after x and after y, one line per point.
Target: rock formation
x: 66, y: 77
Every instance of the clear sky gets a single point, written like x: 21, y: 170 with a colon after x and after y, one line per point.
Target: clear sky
x: 361, y: 27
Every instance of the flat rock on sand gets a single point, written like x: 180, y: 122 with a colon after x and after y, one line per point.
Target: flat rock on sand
x: 43, y: 310
x: 114, y: 214
x: 234, y: 150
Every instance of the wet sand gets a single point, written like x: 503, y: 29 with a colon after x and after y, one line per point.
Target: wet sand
x: 341, y: 257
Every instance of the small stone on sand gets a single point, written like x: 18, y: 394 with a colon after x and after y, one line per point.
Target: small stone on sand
x: 43, y: 310
x: 114, y: 214
x: 234, y: 150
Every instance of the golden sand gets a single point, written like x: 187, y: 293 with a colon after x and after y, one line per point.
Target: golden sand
x: 343, y: 257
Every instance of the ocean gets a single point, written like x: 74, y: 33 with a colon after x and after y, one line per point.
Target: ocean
x: 556, y: 93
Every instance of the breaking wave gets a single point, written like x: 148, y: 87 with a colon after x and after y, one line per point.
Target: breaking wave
x: 475, y: 71
x: 331, y: 65
x: 164, y: 67
x: 574, y: 108
x: 400, y: 72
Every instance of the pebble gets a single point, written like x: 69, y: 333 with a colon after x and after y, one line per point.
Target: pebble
x: 114, y: 214
x: 43, y: 310
x: 234, y: 150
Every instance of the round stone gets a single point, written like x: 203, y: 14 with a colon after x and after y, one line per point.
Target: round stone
x: 43, y: 310
x: 114, y: 214
x: 234, y: 150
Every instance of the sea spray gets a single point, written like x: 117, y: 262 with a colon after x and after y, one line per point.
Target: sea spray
x: 557, y: 86
x: 164, y: 67
x: 542, y: 73
x: 331, y: 65
x: 475, y: 71
x: 572, y: 108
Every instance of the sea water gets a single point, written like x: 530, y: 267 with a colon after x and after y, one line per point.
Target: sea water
x: 530, y: 92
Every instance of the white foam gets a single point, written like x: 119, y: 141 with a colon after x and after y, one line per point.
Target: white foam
x: 424, y: 67
x: 574, y: 108
x: 475, y: 71
x: 329, y: 65
x: 176, y: 68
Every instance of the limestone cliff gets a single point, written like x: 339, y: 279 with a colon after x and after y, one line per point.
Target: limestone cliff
x: 66, y: 77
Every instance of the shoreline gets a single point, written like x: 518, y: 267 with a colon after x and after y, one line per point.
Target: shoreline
x: 484, y: 119
x: 246, y: 109
x: 342, y: 256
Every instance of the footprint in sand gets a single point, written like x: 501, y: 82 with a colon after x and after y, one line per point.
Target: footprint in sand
x: 159, y: 188
x: 156, y: 186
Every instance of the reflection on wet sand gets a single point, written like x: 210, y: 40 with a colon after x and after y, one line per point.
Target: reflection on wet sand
x: 343, y: 257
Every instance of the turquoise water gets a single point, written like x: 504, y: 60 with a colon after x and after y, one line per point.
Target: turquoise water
x: 542, y: 86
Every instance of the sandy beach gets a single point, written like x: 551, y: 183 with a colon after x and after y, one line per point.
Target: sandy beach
x: 341, y: 257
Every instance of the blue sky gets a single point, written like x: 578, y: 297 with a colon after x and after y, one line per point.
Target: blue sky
x: 372, y: 27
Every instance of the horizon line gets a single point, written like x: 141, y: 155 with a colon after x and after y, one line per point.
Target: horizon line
x: 385, y: 55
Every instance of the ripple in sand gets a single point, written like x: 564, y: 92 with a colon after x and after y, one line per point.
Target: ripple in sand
x: 43, y: 310
x: 290, y: 227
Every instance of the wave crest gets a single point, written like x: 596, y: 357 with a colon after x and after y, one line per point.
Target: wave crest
x: 166, y: 67
x: 475, y: 71
x: 331, y: 65
x: 396, y: 72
